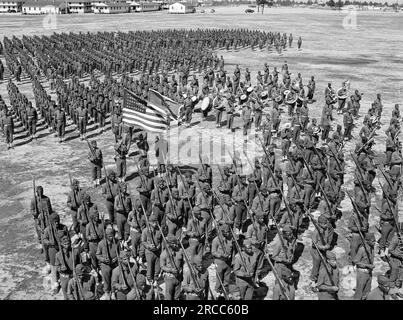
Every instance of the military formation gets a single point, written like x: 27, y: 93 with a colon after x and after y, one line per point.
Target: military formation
x: 179, y: 223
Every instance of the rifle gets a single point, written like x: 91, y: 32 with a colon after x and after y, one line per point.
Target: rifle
x: 222, y: 284
x: 386, y: 178
x: 119, y: 263
x: 361, y: 176
x: 191, y: 271
x: 335, y: 157
x: 79, y: 287
x: 326, y: 200
x: 324, y: 263
x: 355, y: 209
x: 280, y: 281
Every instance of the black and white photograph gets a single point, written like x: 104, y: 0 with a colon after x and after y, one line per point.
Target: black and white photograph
x: 204, y: 150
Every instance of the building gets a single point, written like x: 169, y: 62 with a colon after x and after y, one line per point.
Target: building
x: 181, y: 8
x: 10, y: 6
x: 79, y: 6
x: 109, y: 7
x: 143, y: 6
x: 43, y: 7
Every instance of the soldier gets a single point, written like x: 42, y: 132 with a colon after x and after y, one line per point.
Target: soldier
x: 83, y: 286
x: 108, y: 259
x: 74, y: 201
x: 161, y: 150
x: 94, y: 233
x: 145, y: 187
x: 323, y: 238
x: 171, y: 262
x: 287, y: 278
x: 96, y: 160
x: 311, y: 89
x: 52, y: 240
x: 328, y: 279
x: 120, y: 159
x: 60, y: 119
x: 387, y: 220
x: 64, y: 264
x: 151, y: 239
x: 41, y: 208
x: 32, y: 116
x: 86, y: 209
x: 222, y: 253
x: 285, y: 140
x: 348, y: 122
x: 355, y: 100
x: 200, y: 289
x: 382, y: 291
x: 137, y: 223
x: 196, y: 231
x: 110, y: 190
x: 117, y: 123
x: 122, y: 207
x: 123, y: 277
x: 396, y: 254
x: 364, y: 262
x: 82, y: 115
x: 257, y: 232
x: 244, y: 267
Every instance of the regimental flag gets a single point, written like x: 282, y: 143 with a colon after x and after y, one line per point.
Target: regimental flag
x: 137, y: 112
x: 163, y: 103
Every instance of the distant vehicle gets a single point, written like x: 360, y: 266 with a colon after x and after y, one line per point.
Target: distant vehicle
x: 202, y: 11
x: 249, y: 11
x: 212, y: 10
x: 252, y: 6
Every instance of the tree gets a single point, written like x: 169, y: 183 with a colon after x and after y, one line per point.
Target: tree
x: 331, y: 3
x: 339, y: 4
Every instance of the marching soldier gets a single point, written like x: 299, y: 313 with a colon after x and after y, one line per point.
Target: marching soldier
x: 32, y: 116
x: 364, y: 262
x: 171, y: 262
x: 244, y: 267
x: 328, y: 279
x: 124, y: 277
x: 120, y: 159
x: 198, y: 272
x: 83, y: 286
x: 107, y: 257
x: 60, y: 119
x: 110, y: 190
x: 96, y: 159
x: 122, y: 208
x: 151, y: 239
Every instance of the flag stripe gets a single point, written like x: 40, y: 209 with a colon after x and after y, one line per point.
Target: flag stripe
x: 138, y: 112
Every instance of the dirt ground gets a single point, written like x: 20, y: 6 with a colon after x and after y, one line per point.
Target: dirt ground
x: 329, y: 52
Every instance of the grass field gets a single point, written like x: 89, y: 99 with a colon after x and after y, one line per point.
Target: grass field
x: 369, y: 56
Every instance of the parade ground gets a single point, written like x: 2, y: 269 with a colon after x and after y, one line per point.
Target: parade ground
x: 362, y: 47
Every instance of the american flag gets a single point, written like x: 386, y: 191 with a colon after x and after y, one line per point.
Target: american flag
x: 137, y: 112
